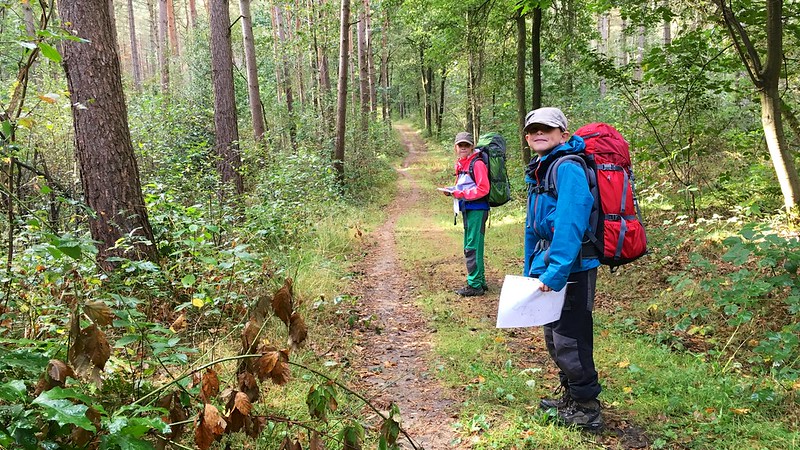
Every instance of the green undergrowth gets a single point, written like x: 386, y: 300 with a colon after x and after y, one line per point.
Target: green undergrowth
x: 696, y: 344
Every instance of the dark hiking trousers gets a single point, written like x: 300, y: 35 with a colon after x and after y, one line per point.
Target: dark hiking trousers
x: 570, y: 340
x: 474, y: 237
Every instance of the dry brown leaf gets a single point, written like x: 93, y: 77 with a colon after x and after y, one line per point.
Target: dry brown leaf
x: 58, y: 372
x: 237, y: 421
x: 249, y: 385
x: 298, y: 332
x: 282, y: 302
x: 242, y: 403
x: 287, y: 444
x: 179, y: 324
x: 209, y: 426
x: 209, y: 387
x: 316, y: 441
x: 255, y: 426
x: 99, y: 312
x: 262, y: 308
x: 266, y: 363
x: 280, y: 373
x: 177, y: 413
x: 90, y: 351
x: 250, y: 334
x: 81, y: 437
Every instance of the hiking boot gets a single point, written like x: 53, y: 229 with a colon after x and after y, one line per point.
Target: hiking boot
x: 559, y: 403
x: 469, y: 291
x: 584, y: 415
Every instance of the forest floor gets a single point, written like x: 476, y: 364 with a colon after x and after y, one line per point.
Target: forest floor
x: 395, y: 351
x: 396, y: 357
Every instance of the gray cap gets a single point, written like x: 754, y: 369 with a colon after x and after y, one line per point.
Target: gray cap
x: 552, y: 117
x: 464, y: 137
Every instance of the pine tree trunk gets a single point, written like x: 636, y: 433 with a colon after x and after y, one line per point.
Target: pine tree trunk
x: 108, y: 170
x: 225, y: 125
x: 341, y: 95
x: 137, y: 71
x: 385, y: 69
x: 285, y: 76
x: 161, y: 46
x: 363, y: 72
x: 192, y: 14
x: 173, y: 29
x: 253, y: 90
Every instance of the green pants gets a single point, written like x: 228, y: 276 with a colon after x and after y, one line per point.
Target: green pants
x: 474, y: 235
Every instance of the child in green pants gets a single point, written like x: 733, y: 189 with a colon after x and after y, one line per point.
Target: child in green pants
x: 472, y: 186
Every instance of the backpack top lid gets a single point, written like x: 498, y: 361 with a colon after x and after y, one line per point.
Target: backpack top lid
x: 492, y: 140
x: 606, y: 143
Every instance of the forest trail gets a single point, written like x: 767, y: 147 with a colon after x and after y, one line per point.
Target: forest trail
x: 393, y: 364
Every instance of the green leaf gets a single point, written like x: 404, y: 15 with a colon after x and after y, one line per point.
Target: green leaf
x: 63, y: 411
x: 188, y: 280
x: 126, y: 441
x: 13, y: 391
x: 49, y: 52
x: 6, y: 129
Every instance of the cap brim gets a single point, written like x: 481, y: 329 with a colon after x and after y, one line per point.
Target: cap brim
x: 549, y: 124
x: 463, y: 140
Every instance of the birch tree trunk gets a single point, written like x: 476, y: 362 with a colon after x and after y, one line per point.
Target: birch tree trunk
x: 226, y: 127
x: 341, y: 95
x: 108, y: 170
x: 253, y: 91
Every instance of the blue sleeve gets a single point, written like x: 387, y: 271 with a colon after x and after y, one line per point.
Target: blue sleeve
x: 573, y: 207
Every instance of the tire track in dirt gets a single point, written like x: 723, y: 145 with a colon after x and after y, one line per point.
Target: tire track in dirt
x: 394, y: 361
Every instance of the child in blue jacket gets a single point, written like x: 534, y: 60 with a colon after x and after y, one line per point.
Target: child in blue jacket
x: 554, y: 230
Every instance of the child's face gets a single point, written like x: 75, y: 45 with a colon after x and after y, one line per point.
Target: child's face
x: 542, y: 138
x: 463, y: 149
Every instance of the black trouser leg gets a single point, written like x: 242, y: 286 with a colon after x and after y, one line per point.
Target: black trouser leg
x: 570, y: 340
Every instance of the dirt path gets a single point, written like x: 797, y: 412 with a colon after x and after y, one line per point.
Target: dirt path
x: 395, y: 348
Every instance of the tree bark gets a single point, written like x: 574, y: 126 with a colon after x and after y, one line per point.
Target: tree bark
x: 108, y: 170
x: 363, y: 71
x: 536, y: 59
x: 766, y: 79
x: 603, y: 28
x: 341, y: 95
x: 137, y: 71
x: 522, y: 33
x: 225, y: 125
x: 285, y: 76
x: 192, y: 14
x: 161, y: 48
x: 385, y: 69
x: 253, y: 90
x: 440, y: 111
x: 373, y: 100
x: 172, y: 28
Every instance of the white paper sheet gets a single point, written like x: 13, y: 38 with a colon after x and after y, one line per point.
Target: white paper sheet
x: 522, y: 304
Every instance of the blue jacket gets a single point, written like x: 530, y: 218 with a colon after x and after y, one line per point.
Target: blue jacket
x: 560, y: 222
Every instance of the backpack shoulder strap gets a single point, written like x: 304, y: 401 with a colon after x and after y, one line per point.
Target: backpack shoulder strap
x: 482, y: 156
x: 550, y: 183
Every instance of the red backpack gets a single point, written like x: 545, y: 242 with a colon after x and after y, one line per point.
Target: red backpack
x: 618, y: 235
